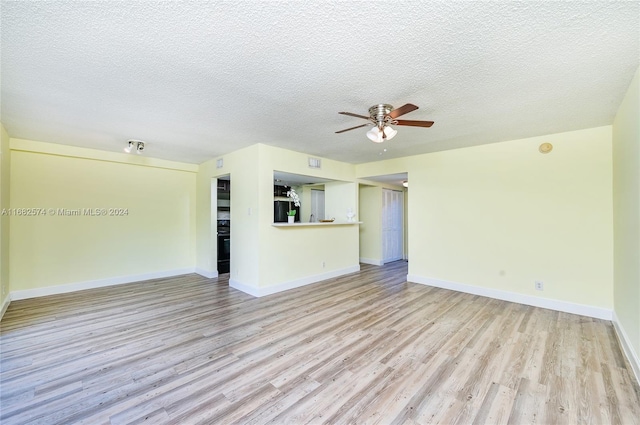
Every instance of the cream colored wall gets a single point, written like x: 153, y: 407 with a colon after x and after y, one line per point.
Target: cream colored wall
x: 242, y: 167
x: 371, y: 215
x: 294, y: 254
x: 405, y: 211
x: 370, y: 207
x: 626, y: 214
x: 206, y: 249
x: 157, y: 235
x: 304, y: 193
x: 5, y: 173
x: 497, y: 216
x: 503, y: 215
x: 381, y: 168
x: 262, y: 255
x: 297, y: 163
x: 305, y: 200
x: 339, y: 198
x: 246, y: 212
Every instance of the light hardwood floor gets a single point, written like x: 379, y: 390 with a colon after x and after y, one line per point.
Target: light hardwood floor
x: 364, y: 348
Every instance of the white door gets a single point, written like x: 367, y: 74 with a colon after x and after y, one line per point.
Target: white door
x: 317, y: 204
x: 392, y: 220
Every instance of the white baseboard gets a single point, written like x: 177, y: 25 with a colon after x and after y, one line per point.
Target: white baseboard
x: 209, y: 274
x: 371, y: 261
x: 567, y: 307
x: 5, y: 305
x: 627, y: 347
x: 247, y: 289
x: 273, y: 289
x: 92, y: 284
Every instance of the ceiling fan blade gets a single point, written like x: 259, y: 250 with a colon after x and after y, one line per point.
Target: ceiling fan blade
x: 415, y: 123
x: 352, y: 128
x: 354, y: 115
x: 405, y: 109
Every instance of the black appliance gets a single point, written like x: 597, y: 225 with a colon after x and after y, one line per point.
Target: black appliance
x: 280, y: 210
x: 280, y: 190
x: 224, y: 246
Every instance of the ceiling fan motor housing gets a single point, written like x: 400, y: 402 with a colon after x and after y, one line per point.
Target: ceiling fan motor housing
x: 379, y: 112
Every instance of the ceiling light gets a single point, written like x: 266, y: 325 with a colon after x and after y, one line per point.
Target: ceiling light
x: 134, y: 144
x: 390, y: 132
x: 378, y: 135
x: 405, y: 183
x: 375, y: 135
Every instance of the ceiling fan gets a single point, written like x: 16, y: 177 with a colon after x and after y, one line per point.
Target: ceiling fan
x: 382, y: 116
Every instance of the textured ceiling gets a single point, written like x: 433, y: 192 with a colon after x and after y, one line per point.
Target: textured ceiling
x: 199, y: 79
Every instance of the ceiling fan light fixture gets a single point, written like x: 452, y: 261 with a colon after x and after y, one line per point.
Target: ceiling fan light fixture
x: 390, y: 132
x: 375, y: 135
x: 381, y: 116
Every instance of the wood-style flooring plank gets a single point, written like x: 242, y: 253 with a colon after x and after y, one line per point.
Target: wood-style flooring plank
x: 365, y: 348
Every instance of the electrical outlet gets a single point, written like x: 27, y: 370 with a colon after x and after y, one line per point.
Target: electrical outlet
x: 323, y: 264
x: 539, y: 285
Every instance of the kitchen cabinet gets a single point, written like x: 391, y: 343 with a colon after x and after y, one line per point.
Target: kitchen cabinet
x: 280, y: 191
x: 224, y: 186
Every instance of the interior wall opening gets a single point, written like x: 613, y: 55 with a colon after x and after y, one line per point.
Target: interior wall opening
x: 223, y: 223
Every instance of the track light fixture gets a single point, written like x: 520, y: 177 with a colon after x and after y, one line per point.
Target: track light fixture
x: 134, y: 144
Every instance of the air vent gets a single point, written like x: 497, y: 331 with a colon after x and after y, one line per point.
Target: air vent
x: 220, y: 163
x: 314, y: 163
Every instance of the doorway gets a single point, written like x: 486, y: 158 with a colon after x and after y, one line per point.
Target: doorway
x: 317, y: 204
x: 223, y: 224
x: 392, y: 225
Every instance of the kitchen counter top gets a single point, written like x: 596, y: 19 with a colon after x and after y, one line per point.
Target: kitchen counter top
x: 333, y: 223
